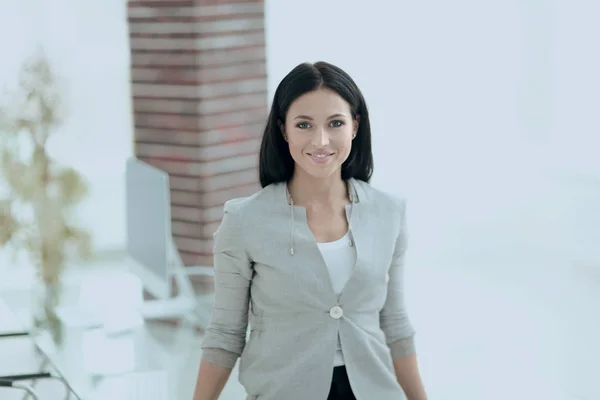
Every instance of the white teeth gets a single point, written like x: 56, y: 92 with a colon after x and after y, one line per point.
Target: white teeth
x: 320, y: 155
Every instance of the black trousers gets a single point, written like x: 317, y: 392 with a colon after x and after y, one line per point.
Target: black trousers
x: 340, y: 385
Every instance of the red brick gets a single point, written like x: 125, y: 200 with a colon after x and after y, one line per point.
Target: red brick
x: 163, y: 44
x: 206, y: 169
x: 176, y: 76
x: 193, y: 259
x: 164, y: 91
x: 216, y: 58
x: 211, y: 199
x: 228, y: 150
x: 160, y: 3
x: 230, y: 180
x: 219, y: 197
x: 212, y: 214
x: 183, y: 12
x: 233, y: 72
x: 164, y: 151
x: 231, y: 25
x: 238, y: 163
x: 194, y: 28
x: 230, y: 41
x: 166, y: 106
x: 148, y: 135
x: 214, y: 183
x: 164, y: 59
x: 193, y: 76
x: 163, y: 28
x: 230, y: 88
x: 183, y: 213
x: 145, y: 11
x: 228, y: 9
x: 186, y: 183
x: 232, y: 134
x: 187, y: 229
x: 186, y: 198
x: 197, y: 154
x: 176, y: 122
x: 211, y: 228
x: 244, y: 116
x: 201, y: 246
x: 205, y: 107
x: 208, y: 216
x: 199, y: 99
x: 233, y: 103
x: 207, y: 230
x: 198, y: 44
x: 181, y: 122
x: 196, y: 215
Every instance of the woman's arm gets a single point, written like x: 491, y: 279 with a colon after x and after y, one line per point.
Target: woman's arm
x: 225, y: 336
x: 211, y: 381
x: 396, y: 325
x: 407, y: 373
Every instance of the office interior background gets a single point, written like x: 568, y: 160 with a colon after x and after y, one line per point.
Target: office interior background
x: 484, y: 116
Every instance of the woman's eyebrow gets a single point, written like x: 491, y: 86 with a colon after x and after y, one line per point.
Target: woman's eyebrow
x: 310, y: 118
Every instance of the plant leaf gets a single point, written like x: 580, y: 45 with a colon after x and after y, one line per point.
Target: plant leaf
x: 8, y: 223
x: 18, y: 176
x: 82, y: 241
x: 71, y: 186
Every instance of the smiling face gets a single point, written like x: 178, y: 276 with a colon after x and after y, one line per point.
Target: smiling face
x: 319, y: 130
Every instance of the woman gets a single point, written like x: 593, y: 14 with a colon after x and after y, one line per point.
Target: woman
x: 314, y: 261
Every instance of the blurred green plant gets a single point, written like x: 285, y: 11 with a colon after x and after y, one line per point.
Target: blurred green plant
x: 39, y: 196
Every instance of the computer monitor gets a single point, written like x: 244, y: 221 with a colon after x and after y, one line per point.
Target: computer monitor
x: 149, y: 226
x: 153, y: 255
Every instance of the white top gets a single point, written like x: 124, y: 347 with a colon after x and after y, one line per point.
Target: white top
x: 340, y: 258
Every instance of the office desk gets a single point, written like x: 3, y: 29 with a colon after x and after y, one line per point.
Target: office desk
x: 153, y: 346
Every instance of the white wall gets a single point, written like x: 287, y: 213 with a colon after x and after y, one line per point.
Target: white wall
x: 483, y: 113
x: 88, y: 45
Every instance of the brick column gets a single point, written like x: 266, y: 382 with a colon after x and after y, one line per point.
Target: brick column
x: 199, y: 97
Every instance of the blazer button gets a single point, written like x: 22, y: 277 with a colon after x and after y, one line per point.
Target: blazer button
x: 336, y: 312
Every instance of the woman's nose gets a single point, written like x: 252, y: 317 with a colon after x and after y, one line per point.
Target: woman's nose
x: 320, y: 138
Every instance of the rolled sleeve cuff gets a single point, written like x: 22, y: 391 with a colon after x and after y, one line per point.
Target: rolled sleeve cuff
x: 220, y: 357
x: 403, y: 347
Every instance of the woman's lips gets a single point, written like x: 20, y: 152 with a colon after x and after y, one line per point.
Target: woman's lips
x: 320, y: 157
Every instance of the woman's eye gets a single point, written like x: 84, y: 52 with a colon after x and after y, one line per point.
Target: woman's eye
x: 303, y: 125
x: 336, y: 124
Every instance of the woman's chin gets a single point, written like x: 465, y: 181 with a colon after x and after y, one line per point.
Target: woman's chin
x: 322, y: 171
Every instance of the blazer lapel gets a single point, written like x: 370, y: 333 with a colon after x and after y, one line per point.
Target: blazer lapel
x: 361, y: 236
x: 310, y: 256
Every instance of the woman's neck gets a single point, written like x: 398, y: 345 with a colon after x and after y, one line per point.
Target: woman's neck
x: 306, y: 190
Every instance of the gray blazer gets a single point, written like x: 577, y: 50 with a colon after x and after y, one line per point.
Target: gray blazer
x: 269, y: 271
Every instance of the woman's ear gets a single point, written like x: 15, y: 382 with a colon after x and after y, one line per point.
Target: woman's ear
x: 282, y: 128
x: 355, y: 125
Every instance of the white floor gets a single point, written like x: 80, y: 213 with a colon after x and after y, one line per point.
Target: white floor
x: 509, y: 331
x: 486, y: 332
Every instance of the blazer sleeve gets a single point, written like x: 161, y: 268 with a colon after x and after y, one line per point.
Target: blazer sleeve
x: 393, y: 317
x: 225, y: 336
